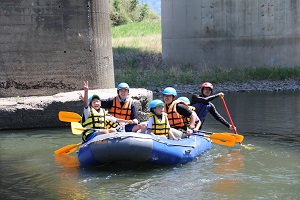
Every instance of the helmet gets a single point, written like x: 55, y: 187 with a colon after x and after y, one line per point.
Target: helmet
x: 185, y: 100
x: 170, y: 91
x: 95, y: 96
x: 155, y: 103
x: 123, y: 85
x: 207, y: 85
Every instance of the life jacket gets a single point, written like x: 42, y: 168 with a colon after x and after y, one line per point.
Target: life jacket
x: 121, y: 112
x: 96, y: 120
x: 187, y: 120
x: 110, y: 124
x: 175, y: 119
x: 159, y: 127
x: 202, y: 110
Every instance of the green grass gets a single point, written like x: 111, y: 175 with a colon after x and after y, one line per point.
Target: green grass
x: 153, y: 75
x: 145, y: 38
x: 136, y: 30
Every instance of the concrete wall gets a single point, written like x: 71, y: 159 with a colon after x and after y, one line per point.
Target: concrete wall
x: 231, y: 33
x: 51, y: 46
x: 42, y: 111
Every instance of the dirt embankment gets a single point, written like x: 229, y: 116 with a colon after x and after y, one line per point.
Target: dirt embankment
x: 145, y: 60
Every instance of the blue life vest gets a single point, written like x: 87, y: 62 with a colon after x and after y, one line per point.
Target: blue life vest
x: 202, y: 110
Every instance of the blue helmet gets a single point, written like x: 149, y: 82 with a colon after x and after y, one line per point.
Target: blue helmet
x: 123, y: 85
x: 185, y: 100
x: 170, y: 91
x: 155, y: 103
x: 95, y: 96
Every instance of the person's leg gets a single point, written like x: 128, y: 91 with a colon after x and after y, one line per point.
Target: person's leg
x: 140, y: 128
x: 112, y: 130
x: 177, y: 133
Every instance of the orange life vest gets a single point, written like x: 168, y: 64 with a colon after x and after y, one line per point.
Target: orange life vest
x: 175, y: 119
x: 121, y: 112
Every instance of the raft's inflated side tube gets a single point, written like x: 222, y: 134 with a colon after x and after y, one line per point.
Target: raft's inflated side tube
x: 136, y: 147
x: 113, y: 147
x: 174, y: 152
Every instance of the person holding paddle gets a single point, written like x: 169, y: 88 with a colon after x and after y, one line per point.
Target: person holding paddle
x: 95, y: 117
x: 123, y: 107
x: 187, y: 120
x: 203, y: 105
x: 177, y: 111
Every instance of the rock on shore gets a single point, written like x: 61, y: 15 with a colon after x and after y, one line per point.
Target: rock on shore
x: 42, y: 111
x: 251, y: 86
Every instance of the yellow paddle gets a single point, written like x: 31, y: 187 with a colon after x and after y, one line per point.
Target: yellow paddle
x: 239, y: 138
x: 67, y: 149
x: 65, y: 116
x: 222, y: 139
x: 77, y: 128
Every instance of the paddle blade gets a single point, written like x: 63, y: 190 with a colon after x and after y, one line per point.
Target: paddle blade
x: 224, y: 143
x: 76, y: 128
x: 238, y: 137
x: 67, y: 149
x: 222, y: 139
x: 65, y: 116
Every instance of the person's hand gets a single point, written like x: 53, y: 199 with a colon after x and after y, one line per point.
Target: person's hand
x: 135, y: 121
x: 189, y: 131
x: 176, y: 138
x: 232, y: 127
x: 80, y: 96
x: 85, y: 85
x: 221, y: 95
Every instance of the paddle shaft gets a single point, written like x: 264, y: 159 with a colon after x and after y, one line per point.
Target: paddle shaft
x: 228, y: 114
x: 67, y: 149
x: 231, y: 122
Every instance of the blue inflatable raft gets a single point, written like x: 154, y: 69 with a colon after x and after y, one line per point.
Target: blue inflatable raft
x: 141, y: 148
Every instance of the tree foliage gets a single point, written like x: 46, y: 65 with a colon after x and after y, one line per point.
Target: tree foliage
x: 126, y: 11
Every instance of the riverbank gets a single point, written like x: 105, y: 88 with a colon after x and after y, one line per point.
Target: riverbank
x: 250, y: 86
x: 148, y: 71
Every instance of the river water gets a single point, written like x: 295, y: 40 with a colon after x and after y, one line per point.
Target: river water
x: 267, y: 166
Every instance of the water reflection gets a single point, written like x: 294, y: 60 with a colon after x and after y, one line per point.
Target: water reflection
x: 229, y: 165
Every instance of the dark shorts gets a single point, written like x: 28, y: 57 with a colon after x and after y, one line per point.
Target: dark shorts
x: 129, y: 127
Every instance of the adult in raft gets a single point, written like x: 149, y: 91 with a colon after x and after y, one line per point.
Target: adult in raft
x: 176, y: 112
x: 123, y: 107
x: 203, y: 105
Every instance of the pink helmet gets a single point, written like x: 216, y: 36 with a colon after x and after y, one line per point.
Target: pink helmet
x: 207, y: 85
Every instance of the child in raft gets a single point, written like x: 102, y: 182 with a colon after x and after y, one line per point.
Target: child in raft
x: 95, y: 118
x: 158, y: 123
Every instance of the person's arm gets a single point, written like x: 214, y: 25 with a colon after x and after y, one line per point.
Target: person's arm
x: 107, y: 103
x: 213, y: 111
x: 193, y: 118
x: 134, y: 114
x: 186, y: 112
x: 116, y: 120
x: 197, y: 122
x: 205, y: 100
x: 149, y: 126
